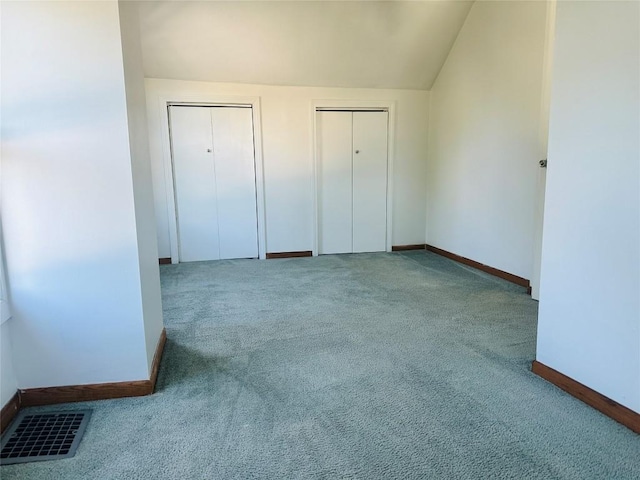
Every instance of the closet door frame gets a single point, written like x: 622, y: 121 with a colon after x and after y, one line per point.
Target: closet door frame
x: 352, y: 106
x: 211, y: 101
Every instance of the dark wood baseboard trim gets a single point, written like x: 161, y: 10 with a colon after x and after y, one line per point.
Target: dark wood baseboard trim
x: 610, y: 408
x: 157, y: 358
x: 402, y: 248
x: 164, y: 261
x: 303, y: 253
x: 31, y: 397
x: 9, y: 411
x: 523, y: 282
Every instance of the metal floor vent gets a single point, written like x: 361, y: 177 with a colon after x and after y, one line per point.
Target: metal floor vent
x: 43, y: 436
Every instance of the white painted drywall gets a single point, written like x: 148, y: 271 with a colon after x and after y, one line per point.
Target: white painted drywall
x: 288, y: 158
x: 141, y: 172
x: 311, y: 43
x: 8, y: 381
x: 483, y: 137
x: 589, y: 321
x: 68, y: 215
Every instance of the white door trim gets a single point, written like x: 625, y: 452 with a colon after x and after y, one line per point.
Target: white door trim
x: 354, y: 105
x: 211, y: 101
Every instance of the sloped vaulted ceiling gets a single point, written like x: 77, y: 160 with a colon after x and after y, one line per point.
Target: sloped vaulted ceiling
x: 394, y: 44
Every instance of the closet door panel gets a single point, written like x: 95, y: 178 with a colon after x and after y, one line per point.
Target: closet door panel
x: 334, y: 142
x: 369, y: 181
x: 194, y: 182
x: 234, y: 165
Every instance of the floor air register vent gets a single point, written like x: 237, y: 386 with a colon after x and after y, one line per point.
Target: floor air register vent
x: 34, y: 437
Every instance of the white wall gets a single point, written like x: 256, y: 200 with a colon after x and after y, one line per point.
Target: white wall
x: 142, y: 182
x: 8, y: 381
x: 483, y: 137
x: 68, y: 213
x: 288, y: 161
x: 318, y: 43
x: 589, y: 321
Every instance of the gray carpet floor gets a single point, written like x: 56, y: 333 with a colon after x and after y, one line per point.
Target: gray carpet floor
x: 370, y: 366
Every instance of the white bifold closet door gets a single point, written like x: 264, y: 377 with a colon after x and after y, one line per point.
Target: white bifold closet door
x: 214, y: 179
x: 352, y: 203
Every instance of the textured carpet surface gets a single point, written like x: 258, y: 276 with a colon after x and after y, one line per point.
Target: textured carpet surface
x: 370, y: 366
